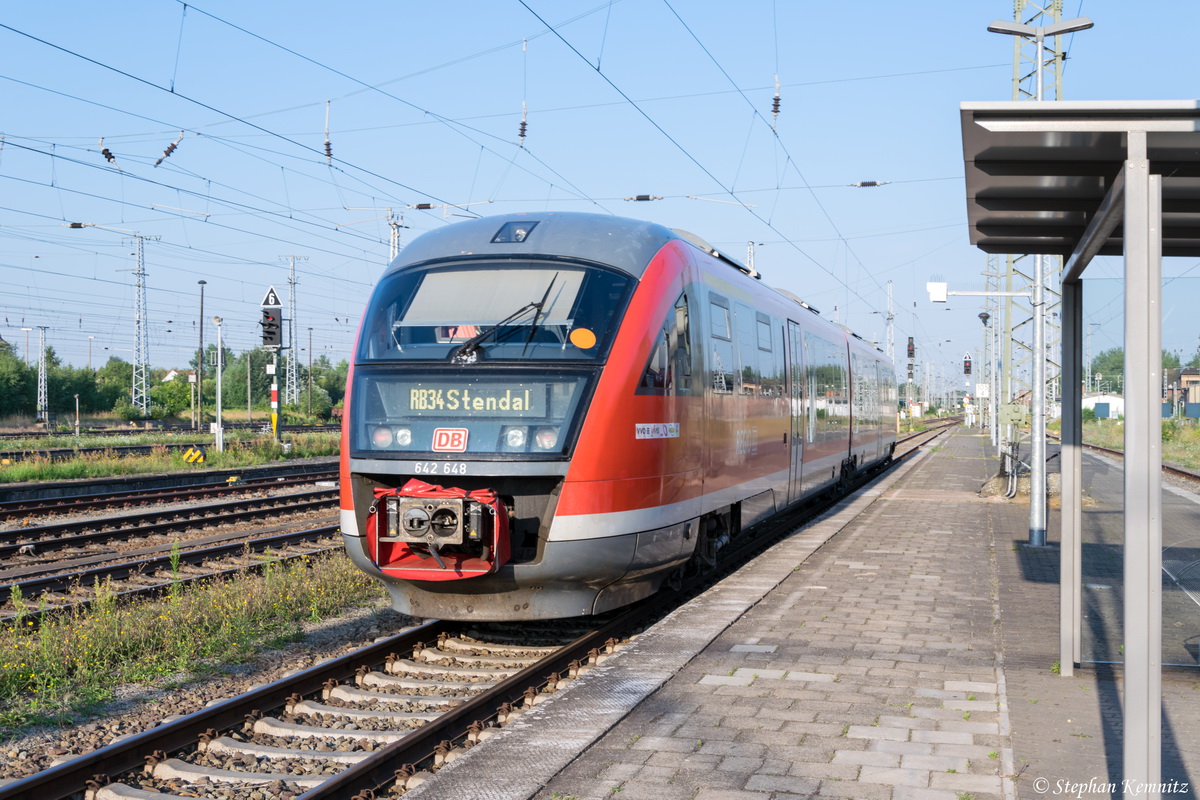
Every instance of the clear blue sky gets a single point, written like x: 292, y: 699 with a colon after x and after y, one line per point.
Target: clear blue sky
x: 424, y: 105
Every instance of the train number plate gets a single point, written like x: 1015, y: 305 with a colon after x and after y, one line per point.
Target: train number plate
x: 440, y: 468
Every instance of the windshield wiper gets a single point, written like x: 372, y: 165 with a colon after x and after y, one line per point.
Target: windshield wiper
x: 468, y: 351
x: 533, y: 326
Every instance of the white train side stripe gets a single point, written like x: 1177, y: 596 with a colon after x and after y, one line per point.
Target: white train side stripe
x: 576, y: 527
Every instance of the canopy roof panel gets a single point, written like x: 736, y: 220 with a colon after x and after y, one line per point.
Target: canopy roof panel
x: 1037, y: 171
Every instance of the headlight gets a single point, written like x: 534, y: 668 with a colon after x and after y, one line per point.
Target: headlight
x: 514, y: 437
x: 403, y: 437
x: 546, y: 438
x: 382, y: 437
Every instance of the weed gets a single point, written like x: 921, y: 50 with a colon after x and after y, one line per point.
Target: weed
x: 993, y: 755
x: 1056, y: 668
x: 18, y: 603
x: 242, y: 449
x: 964, y: 796
x: 175, y: 588
x: 970, y: 697
x: 966, y: 715
x: 76, y: 659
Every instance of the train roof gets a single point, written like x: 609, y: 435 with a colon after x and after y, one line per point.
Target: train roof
x: 627, y: 244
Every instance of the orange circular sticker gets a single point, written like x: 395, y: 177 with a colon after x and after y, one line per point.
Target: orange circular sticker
x: 583, y: 338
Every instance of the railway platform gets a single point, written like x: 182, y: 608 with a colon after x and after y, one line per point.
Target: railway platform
x: 902, y: 647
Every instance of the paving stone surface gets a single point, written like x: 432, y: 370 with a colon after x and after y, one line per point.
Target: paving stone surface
x: 899, y: 650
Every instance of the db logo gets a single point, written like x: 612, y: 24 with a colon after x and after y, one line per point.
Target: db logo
x: 450, y: 440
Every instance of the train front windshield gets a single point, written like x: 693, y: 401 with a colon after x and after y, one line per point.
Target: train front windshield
x: 523, y: 311
x: 483, y: 359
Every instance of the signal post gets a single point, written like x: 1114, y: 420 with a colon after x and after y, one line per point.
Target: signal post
x: 272, y: 339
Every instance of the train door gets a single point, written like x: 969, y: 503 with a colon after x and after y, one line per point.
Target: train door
x: 796, y: 403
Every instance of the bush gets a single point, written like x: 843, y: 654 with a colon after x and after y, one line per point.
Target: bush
x: 126, y: 410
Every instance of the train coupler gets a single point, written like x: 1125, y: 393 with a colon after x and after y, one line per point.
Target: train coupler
x: 421, y: 531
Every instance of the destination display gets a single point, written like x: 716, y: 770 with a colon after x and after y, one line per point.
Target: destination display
x: 512, y: 399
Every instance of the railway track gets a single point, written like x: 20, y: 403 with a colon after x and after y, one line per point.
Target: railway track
x: 40, y: 540
x: 27, y: 508
x: 123, y: 451
x: 155, y: 575
x: 76, y: 450
x: 1178, y: 472
x: 106, y: 432
x: 387, y: 714
x: 54, y: 567
x: 380, y: 720
x: 912, y: 442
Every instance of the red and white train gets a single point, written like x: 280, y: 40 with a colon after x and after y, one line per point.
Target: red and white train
x: 549, y: 415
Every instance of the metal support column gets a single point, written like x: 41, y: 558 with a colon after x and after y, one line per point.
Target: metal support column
x: 1143, y: 474
x: 1037, y: 429
x: 1071, y: 464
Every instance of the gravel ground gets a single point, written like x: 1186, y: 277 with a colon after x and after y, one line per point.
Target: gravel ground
x: 139, y: 708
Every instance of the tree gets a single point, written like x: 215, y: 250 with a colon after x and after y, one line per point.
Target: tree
x: 1109, y: 363
x: 114, y: 381
x: 18, y: 383
x: 1112, y: 361
x: 170, y: 398
x: 331, y: 378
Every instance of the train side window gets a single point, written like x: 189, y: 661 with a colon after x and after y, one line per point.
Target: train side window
x: 669, y: 369
x: 679, y: 348
x: 826, y: 368
x: 718, y: 309
x: 724, y: 369
x: 764, y: 332
x: 744, y: 321
x: 770, y: 361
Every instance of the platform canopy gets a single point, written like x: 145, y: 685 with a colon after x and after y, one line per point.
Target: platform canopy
x: 1036, y: 172
x: 1081, y: 179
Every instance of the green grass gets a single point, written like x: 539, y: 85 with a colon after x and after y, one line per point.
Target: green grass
x: 71, y: 662
x: 1180, y: 439
x: 243, y: 449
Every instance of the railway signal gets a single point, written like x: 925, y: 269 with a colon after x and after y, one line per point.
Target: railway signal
x: 272, y: 331
x: 967, y: 365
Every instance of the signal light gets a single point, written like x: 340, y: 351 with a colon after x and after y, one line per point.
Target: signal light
x: 966, y: 366
x: 272, y: 330
x: 912, y: 349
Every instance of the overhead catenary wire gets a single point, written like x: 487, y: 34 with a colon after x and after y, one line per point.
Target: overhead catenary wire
x: 290, y: 216
x: 687, y: 154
